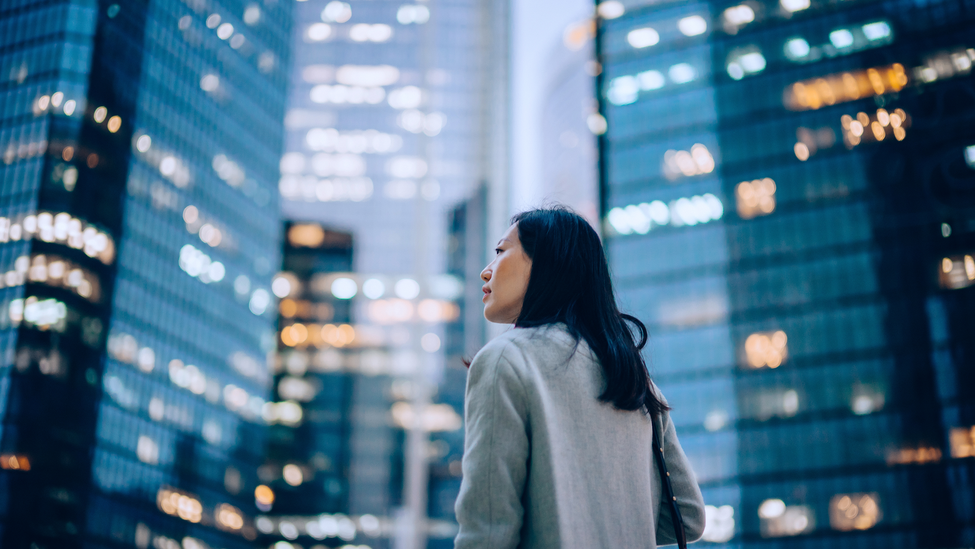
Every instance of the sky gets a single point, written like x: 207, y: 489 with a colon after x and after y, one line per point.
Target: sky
x: 537, y: 27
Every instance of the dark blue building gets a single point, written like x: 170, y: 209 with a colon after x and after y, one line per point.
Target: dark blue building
x: 138, y: 236
x: 788, y: 190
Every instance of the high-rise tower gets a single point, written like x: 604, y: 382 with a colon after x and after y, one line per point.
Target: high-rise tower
x: 138, y: 235
x: 787, y: 187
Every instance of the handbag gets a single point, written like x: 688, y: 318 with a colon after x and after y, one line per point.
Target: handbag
x: 658, y: 454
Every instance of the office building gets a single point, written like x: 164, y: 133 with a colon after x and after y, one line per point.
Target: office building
x: 787, y: 197
x: 138, y: 237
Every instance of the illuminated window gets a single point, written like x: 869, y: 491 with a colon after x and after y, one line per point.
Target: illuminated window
x: 692, y: 26
x: 874, y: 127
x: 719, y: 523
x: 779, y: 519
x: 642, y: 218
x: 745, y: 62
x: 643, y: 38
x: 920, y: 454
x: 957, y: 272
x: 796, y: 49
x: 962, y: 442
x: 794, y: 5
x: 766, y: 349
x: 179, y: 504
x: 755, y: 198
x: 854, y: 511
x: 697, y: 161
x: 843, y: 87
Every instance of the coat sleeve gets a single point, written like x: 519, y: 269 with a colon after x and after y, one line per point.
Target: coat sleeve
x: 688, y: 493
x: 496, y: 446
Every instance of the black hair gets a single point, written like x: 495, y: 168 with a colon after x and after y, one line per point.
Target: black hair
x: 570, y: 283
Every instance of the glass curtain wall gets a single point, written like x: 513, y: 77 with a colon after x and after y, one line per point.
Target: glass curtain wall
x: 837, y: 139
x: 138, y: 234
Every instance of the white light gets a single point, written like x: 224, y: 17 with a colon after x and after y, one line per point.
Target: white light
x: 319, y: 31
x: 796, y: 48
x: 406, y: 288
x: 407, y: 167
x: 771, y: 508
x: 715, y: 420
x: 252, y: 14
x: 719, y: 523
x: 430, y: 343
x: 69, y: 106
x: 280, y: 287
x: 373, y: 288
x: 412, y: 14
x: 735, y: 71
x: 611, y: 9
x: 970, y: 156
x: 651, y: 80
x: 225, y: 31
x: 367, y: 75
x: 147, y: 450
x: 259, y: 301
x: 209, y: 82
x: 693, y: 25
x: 620, y: 221
x: 217, y: 271
x: 790, y: 402
x: 794, y: 5
x: 682, y: 73
x: 292, y: 475
x: 344, y: 288
x: 292, y: 162
x: 143, y: 143
x: 409, y: 97
x: 596, y: 123
x: 167, y: 166
x: 623, y: 90
x: 643, y: 38
x: 841, y: 38
x: 739, y: 15
x: 876, y: 31
x: 340, y: 12
x: 364, y: 32
x: 659, y: 212
x: 752, y: 62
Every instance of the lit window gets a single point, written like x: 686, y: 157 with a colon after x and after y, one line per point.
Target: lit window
x: 319, y: 31
x: 654, y: 80
x: 739, y: 15
x: 364, y: 32
x: 842, y: 87
x: 344, y: 288
x: 692, y: 26
x: 697, y: 161
x: 682, y: 73
x: 766, y: 349
x: 779, y: 519
x: 643, y: 38
x: 794, y: 5
x: 876, y: 31
x: 745, y: 62
x: 412, y: 14
x: 854, y: 511
x: 970, y: 156
x: 841, y: 38
x: 921, y: 454
x: 336, y: 11
x: 643, y: 217
x: 719, y: 524
x: 611, y: 9
x: 755, y: 198
x: 962, y: 441
x: 796, y: 48
x: 623, y: 90
x: 957, y: 272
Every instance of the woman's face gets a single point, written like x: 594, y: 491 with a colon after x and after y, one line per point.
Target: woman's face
x: 506, y: 279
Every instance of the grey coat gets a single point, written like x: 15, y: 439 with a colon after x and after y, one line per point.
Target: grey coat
x: 547, y: 465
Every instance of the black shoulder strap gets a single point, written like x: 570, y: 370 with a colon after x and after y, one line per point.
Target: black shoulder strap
x: 658, y: 454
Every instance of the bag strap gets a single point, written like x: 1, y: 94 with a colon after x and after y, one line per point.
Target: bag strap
x: 658, y: 454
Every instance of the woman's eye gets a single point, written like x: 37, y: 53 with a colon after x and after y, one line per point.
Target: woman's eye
x: 498, y: 251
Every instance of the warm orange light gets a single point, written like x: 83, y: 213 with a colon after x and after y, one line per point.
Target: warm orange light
x: 14, y: 462
x: 264, y: 495
x: 288, y: 308
x: 766, y: 349
x: 229, y: 516
x: 836, y: 88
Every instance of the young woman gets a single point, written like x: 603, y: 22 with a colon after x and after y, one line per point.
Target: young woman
x: 560, y: 412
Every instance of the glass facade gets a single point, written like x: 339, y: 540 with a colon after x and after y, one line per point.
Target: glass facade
x: 787, y: 194
x: 141, y: 143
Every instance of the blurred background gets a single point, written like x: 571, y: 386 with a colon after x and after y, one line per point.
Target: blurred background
x: 240, y: 243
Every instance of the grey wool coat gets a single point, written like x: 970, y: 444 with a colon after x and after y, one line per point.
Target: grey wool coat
x: 547, y: 465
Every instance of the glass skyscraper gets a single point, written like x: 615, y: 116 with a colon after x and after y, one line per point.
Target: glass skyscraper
x: 787, y: 193
x: 138, y: 236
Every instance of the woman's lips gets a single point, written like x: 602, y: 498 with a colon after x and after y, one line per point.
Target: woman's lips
x: 486, y: 291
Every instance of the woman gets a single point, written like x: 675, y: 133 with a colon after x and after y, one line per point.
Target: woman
x: 560, y: 411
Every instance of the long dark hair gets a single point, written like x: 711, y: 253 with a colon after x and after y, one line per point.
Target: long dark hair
x: 570, y: 283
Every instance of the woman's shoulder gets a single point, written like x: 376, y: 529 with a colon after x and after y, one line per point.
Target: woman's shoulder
x: 520, y: 345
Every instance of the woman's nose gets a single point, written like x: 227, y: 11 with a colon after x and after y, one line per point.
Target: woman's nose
x: 485, y: 275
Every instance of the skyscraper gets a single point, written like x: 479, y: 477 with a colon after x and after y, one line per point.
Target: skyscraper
x: 138, y: 235
x: 787, y: 190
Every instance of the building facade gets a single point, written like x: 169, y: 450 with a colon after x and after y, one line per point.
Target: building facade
x: 138, y: 236
x: 787, y: 197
